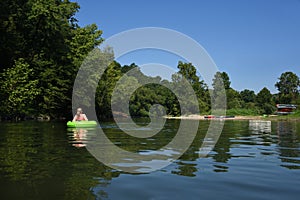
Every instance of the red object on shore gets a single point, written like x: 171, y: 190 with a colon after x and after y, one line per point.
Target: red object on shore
x: 209, y: 116
x: 285, y: 109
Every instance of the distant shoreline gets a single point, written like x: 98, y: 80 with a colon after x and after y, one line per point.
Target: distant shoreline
x: 238, y: 117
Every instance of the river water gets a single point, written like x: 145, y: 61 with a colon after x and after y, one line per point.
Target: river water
x: 251, y: 160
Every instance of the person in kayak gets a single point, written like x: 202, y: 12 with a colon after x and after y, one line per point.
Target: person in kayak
x: 80, y: 116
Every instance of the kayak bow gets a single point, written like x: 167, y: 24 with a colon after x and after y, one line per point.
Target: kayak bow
x: 82, y: 124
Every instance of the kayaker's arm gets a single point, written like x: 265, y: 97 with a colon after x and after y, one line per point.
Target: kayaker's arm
x: 74, y: 119
x: 85, y: 118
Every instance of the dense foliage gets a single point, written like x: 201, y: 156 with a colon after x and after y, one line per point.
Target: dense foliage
x: 42, y: 48
x: 288, y: 87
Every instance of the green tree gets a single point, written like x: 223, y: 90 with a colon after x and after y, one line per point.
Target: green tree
x: 105, y: 89
x: 18, y: 92
x: 264, y: 101
x: 248, y: 98
x: 127, y: 68
x: 248, y: 95
x: 83, y: 40
x: 149, y: 94
x: 233, y: 99
x: 46, y: 36
x: 219, y: 91
x: 288, y: 87
x: 142, y: 100
x: 188, y: 104
x: 124, y: 89
x: 226, y: 80
x: 222, y: 92
x: 35, y: 29
x: 189, y: 72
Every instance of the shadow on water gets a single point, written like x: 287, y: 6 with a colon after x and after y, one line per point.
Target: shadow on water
x: 48, y: 161
x: 38, y: 163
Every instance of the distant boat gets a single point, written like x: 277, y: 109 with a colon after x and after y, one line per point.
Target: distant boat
x: 284, y: 109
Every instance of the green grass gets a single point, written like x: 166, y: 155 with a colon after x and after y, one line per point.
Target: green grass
x: 254, y: 112
x: 235, y: 112
x: 242, y: 112
x: 296, y: 113
x: 294, y: 116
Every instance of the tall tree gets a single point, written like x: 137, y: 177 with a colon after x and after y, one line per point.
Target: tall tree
x: 226, y: 80
x: 264, y: 101
x: 219, y: 93
x: 248, y: 95
x: 222, y: 91
x: 34, y: 29
x: 189, y: 72
x: 248, y: 100
x: 18, y: 92
x: 105, y: 89
x: 45, y: 35
x: 288, y: 87
x: 233, y: 99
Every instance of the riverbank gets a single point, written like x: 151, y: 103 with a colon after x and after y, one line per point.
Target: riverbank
x: 239, y: 117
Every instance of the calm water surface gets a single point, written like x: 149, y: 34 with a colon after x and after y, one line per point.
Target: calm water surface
x: 252, y: 160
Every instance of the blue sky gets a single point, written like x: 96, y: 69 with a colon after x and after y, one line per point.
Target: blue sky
x: 254, y: 41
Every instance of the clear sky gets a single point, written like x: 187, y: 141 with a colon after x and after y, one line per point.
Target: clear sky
x: 254, y: 41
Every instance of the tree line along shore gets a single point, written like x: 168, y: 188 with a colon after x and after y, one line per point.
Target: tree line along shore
x: 43, y: 47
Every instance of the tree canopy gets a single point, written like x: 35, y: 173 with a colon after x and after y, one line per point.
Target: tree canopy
x: 288, y: 87
x: 42, y: 40
x: 42, y: 48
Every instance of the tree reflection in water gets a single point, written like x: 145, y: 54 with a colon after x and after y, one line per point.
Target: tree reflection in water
x: 41, y: 162
x: 37, y: 163
x: 288, y: 144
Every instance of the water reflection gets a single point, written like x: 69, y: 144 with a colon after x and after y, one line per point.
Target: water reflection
x: 260, y: 126
x: 259, y: 142
x: 78, y: 137
x: 288, y: 144
x: 44, y: 161
x: 221, y: 153
x: 138, y: 154
x: 38, y: 163
x: 185, y: 169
